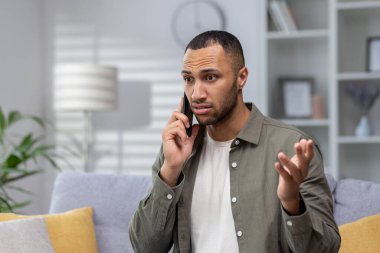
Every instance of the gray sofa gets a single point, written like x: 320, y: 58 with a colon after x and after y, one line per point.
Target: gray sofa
x: 116, y: 197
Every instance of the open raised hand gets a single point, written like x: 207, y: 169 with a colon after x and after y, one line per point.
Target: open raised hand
x: 292, y: 172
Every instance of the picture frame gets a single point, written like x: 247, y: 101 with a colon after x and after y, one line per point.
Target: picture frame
x: 296, y: 96
x: 373, y: 54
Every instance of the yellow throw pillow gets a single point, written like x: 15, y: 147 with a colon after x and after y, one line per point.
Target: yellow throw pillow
x: 69, y: 232
x: 361, y: 236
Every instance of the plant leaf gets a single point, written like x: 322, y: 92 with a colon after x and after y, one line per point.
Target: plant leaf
x: 5, y: 194
x: 27, y: 142
x: 51, y: 161
x: 19, y: 189
x: 70, y: 151
x: 11, y: 207
x: 7, y: 204
x: 12, y: 170
x: 13, y: 117
x: 39, y: 151
x: 12, y: 161
x: 2, y: 125
x: 24, y: 175
x: 21, y: 204
x: 40, y: 121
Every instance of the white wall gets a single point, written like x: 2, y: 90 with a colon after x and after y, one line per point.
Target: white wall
x: 133, y: 35
x: 136, y: 37
x: 21, y: 85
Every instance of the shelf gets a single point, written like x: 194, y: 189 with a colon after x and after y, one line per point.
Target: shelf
x: 301, y: 34
x: 307, y: 122
x: 359, y: 140
x: 358, y: 76
x: 358, y: 5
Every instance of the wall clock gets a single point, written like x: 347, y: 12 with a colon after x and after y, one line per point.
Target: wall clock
x: 193, y: 17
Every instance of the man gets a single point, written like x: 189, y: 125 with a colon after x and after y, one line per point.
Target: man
x: 241, y: 182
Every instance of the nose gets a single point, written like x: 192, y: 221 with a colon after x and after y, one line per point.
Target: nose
x: 199, y: 92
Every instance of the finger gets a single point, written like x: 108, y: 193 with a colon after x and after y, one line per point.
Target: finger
x: 282, y: 172
x: 293, y: 169
x: 179, y: 116
x: 309, y: 150
x: 303, y: 142
x: 300, y: 153
x: 182, y: 130
x: 180, y: 124
x: 303, y: 161
x: 174, y: 130
x: 177, y: 135
x: 179, y: 109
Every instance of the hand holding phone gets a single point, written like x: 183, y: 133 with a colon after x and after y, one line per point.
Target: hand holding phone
x: 177, y: 147
x: 187, y: 111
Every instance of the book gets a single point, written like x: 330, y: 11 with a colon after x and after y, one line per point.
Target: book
x: 272, y: 16
x: 289, y: 18
x: 278, y: 17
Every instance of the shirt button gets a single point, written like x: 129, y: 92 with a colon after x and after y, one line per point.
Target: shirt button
x: 233, y: 200
x: 289, y: 223
x: 234, y: 165
x: 237, y: 142
x: 169, y: 196
x: 239, y: 233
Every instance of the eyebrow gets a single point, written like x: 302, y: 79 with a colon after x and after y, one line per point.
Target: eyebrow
x: 208, y: 70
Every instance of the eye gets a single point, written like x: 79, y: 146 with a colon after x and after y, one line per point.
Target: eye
x: 210, y: 77
x: 188, y: 79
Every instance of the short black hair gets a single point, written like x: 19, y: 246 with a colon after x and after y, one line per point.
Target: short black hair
x: 226, y: 40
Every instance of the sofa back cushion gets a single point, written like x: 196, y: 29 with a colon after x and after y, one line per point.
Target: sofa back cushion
x: 114, y: 199
x: 331, y: 182
x: 355, y: 199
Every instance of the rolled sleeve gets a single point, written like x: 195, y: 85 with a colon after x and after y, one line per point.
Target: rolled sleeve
x: 297, y: 225
x: 169, y: 195
x: 298, y: 229
x: 166, y: 198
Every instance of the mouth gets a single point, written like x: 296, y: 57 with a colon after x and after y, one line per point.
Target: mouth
x: 201, y: 109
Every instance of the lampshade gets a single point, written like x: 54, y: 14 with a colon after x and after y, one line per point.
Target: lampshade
x: 85, y: 87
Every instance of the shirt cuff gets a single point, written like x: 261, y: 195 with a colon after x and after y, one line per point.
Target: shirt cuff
x: 297, y: 224
x: 167, y: 195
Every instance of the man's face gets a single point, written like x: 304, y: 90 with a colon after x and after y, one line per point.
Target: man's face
x: 210, y: 84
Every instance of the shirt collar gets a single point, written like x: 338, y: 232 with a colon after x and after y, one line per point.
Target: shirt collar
x: 252, y: 130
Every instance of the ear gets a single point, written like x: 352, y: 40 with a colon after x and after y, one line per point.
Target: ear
x: 242, y: 77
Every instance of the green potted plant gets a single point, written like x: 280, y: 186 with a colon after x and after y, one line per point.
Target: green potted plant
x: 21, y: 156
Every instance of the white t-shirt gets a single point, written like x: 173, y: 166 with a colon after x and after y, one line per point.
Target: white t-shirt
x: 212, y: 223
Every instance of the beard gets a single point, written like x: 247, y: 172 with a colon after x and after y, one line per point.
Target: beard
x: 226, y: 109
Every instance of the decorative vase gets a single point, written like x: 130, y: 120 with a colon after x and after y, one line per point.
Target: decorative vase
x: 364, y: 128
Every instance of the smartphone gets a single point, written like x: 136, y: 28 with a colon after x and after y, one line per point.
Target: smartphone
x: 187, y: 111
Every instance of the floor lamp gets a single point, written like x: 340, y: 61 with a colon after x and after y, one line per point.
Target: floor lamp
x: 85, y: 88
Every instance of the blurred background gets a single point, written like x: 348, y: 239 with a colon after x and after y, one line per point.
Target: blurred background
x: 313, y: 63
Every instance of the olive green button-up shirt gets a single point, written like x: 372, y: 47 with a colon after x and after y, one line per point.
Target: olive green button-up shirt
x: 261, y: 225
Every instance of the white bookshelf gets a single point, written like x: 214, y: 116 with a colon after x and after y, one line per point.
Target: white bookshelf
x: 309, y: 34
x: 358, y: 76
x: 330, y: 46
x: 359, y: 140
x: 355, y: 5
x: 307, y: 122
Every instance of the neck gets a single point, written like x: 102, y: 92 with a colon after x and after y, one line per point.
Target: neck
x: 231, y: 125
